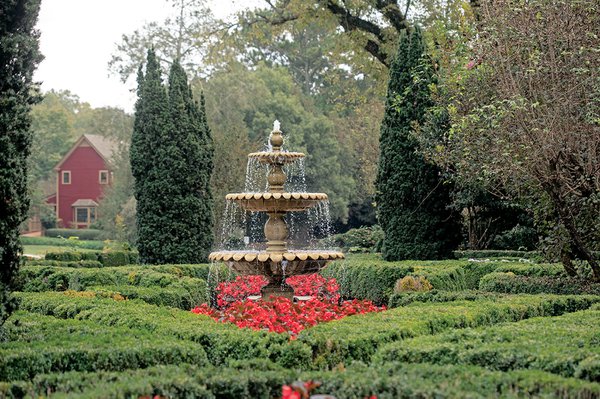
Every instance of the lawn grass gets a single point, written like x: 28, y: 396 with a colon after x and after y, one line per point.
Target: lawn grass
x: 43, y: 249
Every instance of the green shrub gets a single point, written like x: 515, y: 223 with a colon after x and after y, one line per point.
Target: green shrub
x: 57, y: 263
x: 108, y: 258
x: 511, y: 283
x: 183, y: 291
x: 358, y: 337
x: 524, y: 269
x: 412, y: 284
x: 82, y: 234
x: 61, y: 242
x: 492, y: 253
x: 44, y: 344
x: 455, y: 275
x: 517, y: 238
x: 220, y: 341
x: 183, y: 295
x: 114, y: 258
x: 406, y: 298
x: 565, y: 345
x: 367, y: 280
x: 387, y: 381
x: 364, y: 239
x: 66, y: 256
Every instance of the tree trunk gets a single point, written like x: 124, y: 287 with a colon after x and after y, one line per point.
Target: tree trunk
x: 578, y: 247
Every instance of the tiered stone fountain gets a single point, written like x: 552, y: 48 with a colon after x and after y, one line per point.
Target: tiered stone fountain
x: 277, y: 262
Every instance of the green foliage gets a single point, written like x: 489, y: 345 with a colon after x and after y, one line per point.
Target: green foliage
x: 515, y: 284
x: 185, y: 294
x: 412, y: 198
x: 37, y: 345
x: 171, y: 161
x: 107, y: 259
x: 412, y: 284
x: 82, y: 234
x: 364, y: 239
x: 187, y: 291
x: 406, y: 298
x: 367, y: 279
x: 357, y: 338
x: 565, y: 345
x: 387, y: 381
x: 19, y: 57
x: 62, y: 263
x: 61, y: 242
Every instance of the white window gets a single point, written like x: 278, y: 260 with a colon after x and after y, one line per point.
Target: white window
x: 66, y: 177
x: 85, y: 215
x: 103, y: 177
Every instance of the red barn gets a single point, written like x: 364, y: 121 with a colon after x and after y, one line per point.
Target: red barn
x: 82, y: 175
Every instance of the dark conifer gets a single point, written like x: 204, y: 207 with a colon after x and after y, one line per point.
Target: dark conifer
x: 171, y: 160
x: 412, y: 198
x: 19, y: 56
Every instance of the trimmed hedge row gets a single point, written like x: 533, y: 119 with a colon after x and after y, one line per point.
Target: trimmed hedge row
x: 369, y: 277
x: 82, y: 234
x: 497, y: 253
x: 511, y: 283
x: 539, y: 269
x: 391, y: 380
x: 456, y: 276
x: 567, y: 345
x: 406, y: 298
x: 358, y: 337
x: 220, y: 341
x: 58, y: 263
x: 323, y: 346
x: 44, y: 344
x: 131, y: 282
x: 111, y: 258
x: 182, y: 295
x: 61, y: 242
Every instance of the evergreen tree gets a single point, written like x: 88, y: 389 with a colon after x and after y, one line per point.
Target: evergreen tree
x: 171, y: 161
x: 19, y: 56
x: 412, y: 198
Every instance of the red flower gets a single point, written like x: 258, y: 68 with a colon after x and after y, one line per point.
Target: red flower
x: 279, y: 314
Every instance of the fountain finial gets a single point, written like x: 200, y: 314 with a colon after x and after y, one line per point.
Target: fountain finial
x: 276, y: 139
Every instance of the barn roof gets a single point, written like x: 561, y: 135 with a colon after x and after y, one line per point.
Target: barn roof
x: 105, y: 147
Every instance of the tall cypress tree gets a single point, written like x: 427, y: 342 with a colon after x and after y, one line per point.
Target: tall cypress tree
x: 171, y: 159
x: 19, y: 56
x: 412, y: 199
x: 148, y: 156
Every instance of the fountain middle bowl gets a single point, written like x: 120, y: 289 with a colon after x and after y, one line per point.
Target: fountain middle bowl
x: 277, y: 202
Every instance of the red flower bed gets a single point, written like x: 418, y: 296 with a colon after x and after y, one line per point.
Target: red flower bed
x: 280, y: 314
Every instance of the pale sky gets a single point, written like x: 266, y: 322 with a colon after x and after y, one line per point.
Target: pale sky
x: 79, y: 36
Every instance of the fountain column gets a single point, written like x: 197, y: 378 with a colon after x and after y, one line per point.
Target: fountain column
x: 276, y: 230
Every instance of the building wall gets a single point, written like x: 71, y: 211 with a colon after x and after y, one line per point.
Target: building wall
x: 85, y: 164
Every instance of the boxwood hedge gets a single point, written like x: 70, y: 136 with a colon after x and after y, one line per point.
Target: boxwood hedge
x: 567, y: 345
x: 515, y: 284
x: 391, y: 380
x: 43, y: 344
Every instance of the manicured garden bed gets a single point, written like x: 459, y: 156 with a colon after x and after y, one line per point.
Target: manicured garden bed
x: 128, y: 331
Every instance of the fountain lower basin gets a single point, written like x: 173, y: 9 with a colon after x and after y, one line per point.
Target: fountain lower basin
x: 276, y: 266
